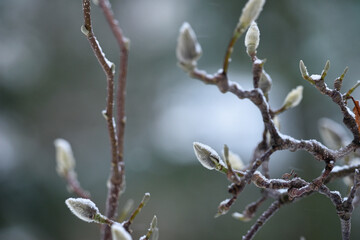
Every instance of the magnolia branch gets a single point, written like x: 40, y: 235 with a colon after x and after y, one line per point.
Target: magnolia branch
x: 117, y: 174
x: 116, y: 135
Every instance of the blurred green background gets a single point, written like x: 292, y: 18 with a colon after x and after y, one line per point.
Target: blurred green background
x: 51, y: 86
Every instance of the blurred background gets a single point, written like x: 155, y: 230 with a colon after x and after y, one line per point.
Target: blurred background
x: 51, y: 86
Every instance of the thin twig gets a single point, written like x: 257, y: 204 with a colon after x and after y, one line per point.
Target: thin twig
x: 116, y: 179
x: 117, y: 174
x: 274, y: 207
x: 74, y: 185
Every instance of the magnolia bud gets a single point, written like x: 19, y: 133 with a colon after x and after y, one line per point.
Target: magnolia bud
x: 207, y: 156
x: 250, y: 13
x: 294, y: 97
x: 252, y: 39
x: 332, y: 133
x: 265, y: 82
x: 65, y: 161
x: 83, y: 208
x: 240, y: 216
x: 188, y: 49
x: 303, y: 70
x: 118, y: 232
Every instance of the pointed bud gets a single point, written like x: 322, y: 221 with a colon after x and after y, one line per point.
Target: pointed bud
x: 250, y: 13
x: 65, y: 161
x: 118, y: 232
x: 252, y: 39
x: 223, y: 207
x: 84, y: 30
x: 153, y: 224
x: 326, y: 69
x: 294, y: 97
x: 207, y: 156
x: 303, y: 70
x: 265, y: 82
x: 188, y: 49
x: 332, y: 133
x: 83, y: 208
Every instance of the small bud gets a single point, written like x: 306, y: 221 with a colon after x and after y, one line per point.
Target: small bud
x: 127, y: 43
x: 153, y: 223
x: 252, y: 39
x: 146, y: 198
x: 65, y: 161
x: 326, y: 69
x: 250, y: 13
x: 188, y: 49
x: 265, y: 82
x: 303, y: 70
x: 240, y: 216
x: 83, y: 208
x: 223, y: 208
x: 207, y: 156
x: 84, y: 30
x: 118, y: 232
x: 332, y: 133
x: 294, y: 97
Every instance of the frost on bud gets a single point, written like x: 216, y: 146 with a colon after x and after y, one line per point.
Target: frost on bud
x: 303, y: 70
x: 83, y: 208
x: 118, y: 232
x: 65, y: 161
x: 207, y: 156
x: 223, y: 208
x: 265, y: 82
x: 332, y: 133
x: 240, y: 216
x: 250, y: 13
x: 252, y: 39
x: 188, y: 49
x: 294, y: 97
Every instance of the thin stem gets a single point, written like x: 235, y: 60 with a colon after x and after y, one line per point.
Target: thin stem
x: 117, y: 174
x: 274, y: 207
x: 136, y: 211
x: 74, y: 185
x: 107, y: 66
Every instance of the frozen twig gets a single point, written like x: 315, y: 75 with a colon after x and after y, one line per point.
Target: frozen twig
x: 116, y: 135
x: 117, y: 175
x: 274, y: 207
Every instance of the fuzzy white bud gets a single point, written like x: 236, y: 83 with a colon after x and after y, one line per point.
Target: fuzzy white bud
x: 265, y: 82
x: 65, y: 161
x: 83, y: 208
x: 240, y: 216
x: 188, y: 49
x: 332, y: 133
x: 252, y: 39
x: 207, y: 156
x: 303, y: 69
x: 250, y: 13
x: 118, y: 232
x: 294, y: 97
